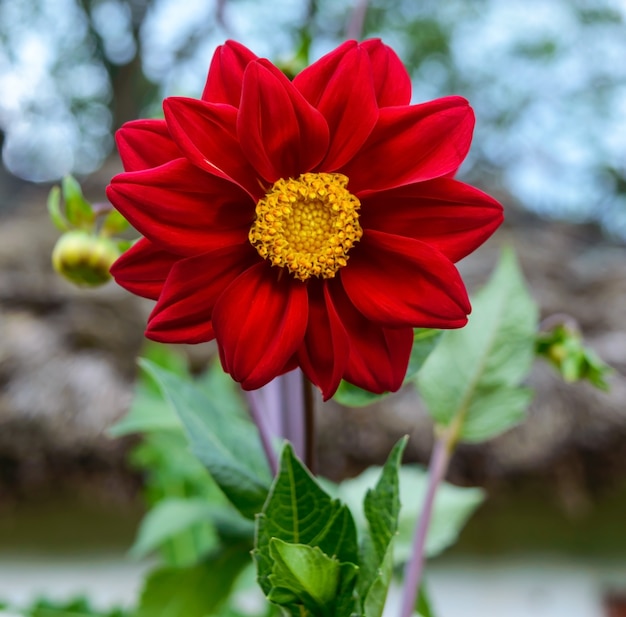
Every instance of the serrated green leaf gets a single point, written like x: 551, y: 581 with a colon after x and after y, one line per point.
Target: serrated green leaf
x: 196, y: 591
x: 303, y: 576
x: 381, y: 508
x: 54, y: 209
x: 168, y: 519
x: 77, y: 209
x: 227, y: 444
x: 495, y: 350
x: 114, y: 223
x: 299, y: 511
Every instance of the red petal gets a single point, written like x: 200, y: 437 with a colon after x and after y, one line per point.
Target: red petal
x: 207, y: 135
x: 223, y: 83
x: 378, y: 356
x: 183, y: 312
x: 145, y: 143
x: 182, y: 209
x: 280, y: 132
x: 340, y: 85
x: 324, y: 353
x: 143, y: 268
x: 259, y: 322
x: 450, y: 216
x: 391, y: 80
x: 313, y: 80
x: 413, y: 144
x: 397, y: 281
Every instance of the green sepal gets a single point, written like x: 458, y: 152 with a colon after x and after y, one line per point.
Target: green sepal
x: 54, y: 209
x: 77, y: 209
x: 114, y: 223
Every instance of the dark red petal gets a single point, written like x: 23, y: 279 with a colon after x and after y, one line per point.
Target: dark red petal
x: 259, y: 322
x: 391, y: 80
x: 143, y: 268
x: 452, y: 217
x: 378, y: 356
x: 145, y: 143
x: 340, y: 86
x: 397, y: 281
x: 324, y: 353
x: 207, y: 135
x: 413, y: 144
x: 183, y: 312
x: 280, y: 132
x: 183, y: 209
x: 223, y: 84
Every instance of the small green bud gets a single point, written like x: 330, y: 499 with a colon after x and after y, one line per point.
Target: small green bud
x: 84, y: 259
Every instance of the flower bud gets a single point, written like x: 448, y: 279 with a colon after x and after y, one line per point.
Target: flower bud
x: 84, y: 259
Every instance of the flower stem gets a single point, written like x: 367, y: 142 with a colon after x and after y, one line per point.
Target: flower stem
x: 309, y: 424
x: 357, y: 20
x: 437, y: 468
x: 259, y: 416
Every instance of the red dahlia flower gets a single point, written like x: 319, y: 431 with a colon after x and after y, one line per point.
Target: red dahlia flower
x: 310, y: 223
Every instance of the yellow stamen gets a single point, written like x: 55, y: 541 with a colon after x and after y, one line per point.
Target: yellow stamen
x: 307, y: 225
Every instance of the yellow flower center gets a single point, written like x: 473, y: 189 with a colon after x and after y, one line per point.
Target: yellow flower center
x: 307, y: 225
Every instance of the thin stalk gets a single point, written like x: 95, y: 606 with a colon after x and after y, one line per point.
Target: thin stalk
x: 357, y: 20
x: 293, y: 411
x: 258, y: 413
x: 437, y: 468
x: 309, y: 424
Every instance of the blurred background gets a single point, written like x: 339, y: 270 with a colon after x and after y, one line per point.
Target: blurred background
x: 547, y: 80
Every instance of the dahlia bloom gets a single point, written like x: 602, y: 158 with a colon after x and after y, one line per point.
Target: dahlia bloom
x: 309, y: 223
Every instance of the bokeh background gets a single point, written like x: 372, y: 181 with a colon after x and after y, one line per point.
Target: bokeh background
x: 547, y: 80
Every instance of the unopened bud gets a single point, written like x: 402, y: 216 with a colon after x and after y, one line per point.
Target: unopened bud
x: 83, y: 258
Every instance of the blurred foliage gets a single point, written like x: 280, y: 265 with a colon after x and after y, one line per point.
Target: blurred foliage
x: 564, y: 348
x: 547, y: 84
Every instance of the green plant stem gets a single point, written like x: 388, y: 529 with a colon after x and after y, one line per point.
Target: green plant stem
x: 440, y: 457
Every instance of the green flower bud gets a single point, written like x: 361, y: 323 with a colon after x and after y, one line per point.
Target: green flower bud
x: 84, y: 259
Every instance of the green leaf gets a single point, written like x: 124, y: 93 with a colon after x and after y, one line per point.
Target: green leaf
x: 114, y: 223
x: 452, y: 508
x: 493, y: 412
x: 425, y: 340
x: 299, y: 511
x: 565, y: 349
x: 493, y: 352
x: 381, y: 508
x: 168, y: 519
x: 196, y: 591
x: 423, y: 604
x: 77, y: 209
x: 227, y: 444
x: 54, y: 209
x: 148, y: 412
x: 304, y: 576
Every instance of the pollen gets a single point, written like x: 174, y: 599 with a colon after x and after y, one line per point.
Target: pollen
x: 307, y: 225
